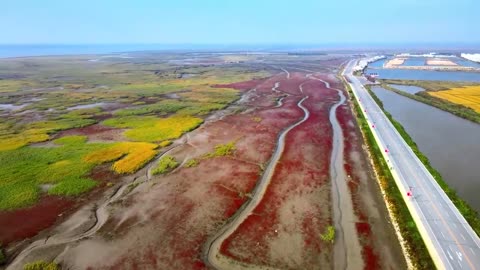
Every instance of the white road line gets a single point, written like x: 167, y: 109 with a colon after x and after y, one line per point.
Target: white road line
x: 411, y: 167
x: 450, y: 255
x: 459, y: 255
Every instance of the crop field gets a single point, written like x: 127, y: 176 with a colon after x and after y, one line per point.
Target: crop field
x: 458, y: 98
x: 468, y: 96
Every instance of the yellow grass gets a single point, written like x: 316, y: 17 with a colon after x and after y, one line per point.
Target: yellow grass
x: 129, y: 156
x: 164, y: 129
x: 22, y: 139
x: 61, y: 163
x: 13, y: 85
x: 133, y: 161
x: 105, y: 155
x: 165, y: 143
x: 468, y: 96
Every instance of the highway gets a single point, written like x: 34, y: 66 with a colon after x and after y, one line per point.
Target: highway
x: 449, y: 238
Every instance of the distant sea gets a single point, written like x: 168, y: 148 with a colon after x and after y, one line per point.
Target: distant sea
x: 59, y: 49
x: 45, y: 50
x: 25, y: 50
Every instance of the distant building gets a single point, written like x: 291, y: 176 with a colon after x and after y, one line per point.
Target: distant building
x: 362, y: 64
x: 475, y: 57
x: 372, y: 76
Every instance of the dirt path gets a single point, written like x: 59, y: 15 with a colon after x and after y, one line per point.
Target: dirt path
x: 212, y: 253
x: 347, y: 249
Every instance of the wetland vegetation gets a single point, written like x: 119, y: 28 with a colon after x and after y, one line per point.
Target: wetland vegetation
x: 140, y: 104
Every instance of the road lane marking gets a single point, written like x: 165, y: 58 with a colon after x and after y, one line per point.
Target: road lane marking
x: 450, y: 255
x: 459, y: 255
x: 434, y: 206
x: 444, y: 224
x: 402, y: 180
x: 408, y: 154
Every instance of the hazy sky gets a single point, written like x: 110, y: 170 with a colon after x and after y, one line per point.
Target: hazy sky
x: 241, y: 21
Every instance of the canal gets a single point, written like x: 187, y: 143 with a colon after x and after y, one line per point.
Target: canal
x: 451, y: 143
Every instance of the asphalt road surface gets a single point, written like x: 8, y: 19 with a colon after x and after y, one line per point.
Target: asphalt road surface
x: 449, y: 238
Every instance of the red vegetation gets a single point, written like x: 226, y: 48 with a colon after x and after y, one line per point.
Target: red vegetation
x: 24, y: 223
x: 353, y: 143
x: 103, y: 173
x: 371, y: 258
x: 188, y: 206
x: 300, y: 175
x: 96, y: 131
x: 27, y: 222
x: 363, y: 229
x: 247, y: 85
x: 237, y: 197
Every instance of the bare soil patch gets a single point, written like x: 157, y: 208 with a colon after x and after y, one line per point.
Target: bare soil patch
x: 392, y: 63
x: 96, y: 132
x: 440, y: 62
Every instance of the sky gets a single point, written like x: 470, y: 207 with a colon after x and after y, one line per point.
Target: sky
x: 238, y: 22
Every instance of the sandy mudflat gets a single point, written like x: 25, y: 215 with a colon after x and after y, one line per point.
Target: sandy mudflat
x: 440, y: 62
x: 395, y: 62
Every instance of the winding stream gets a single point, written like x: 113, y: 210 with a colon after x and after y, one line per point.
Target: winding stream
x: 343, y: 210
x: 346, y: 255
x: 212, y: 253
x: 347, y: 249
x: 100, y: 216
